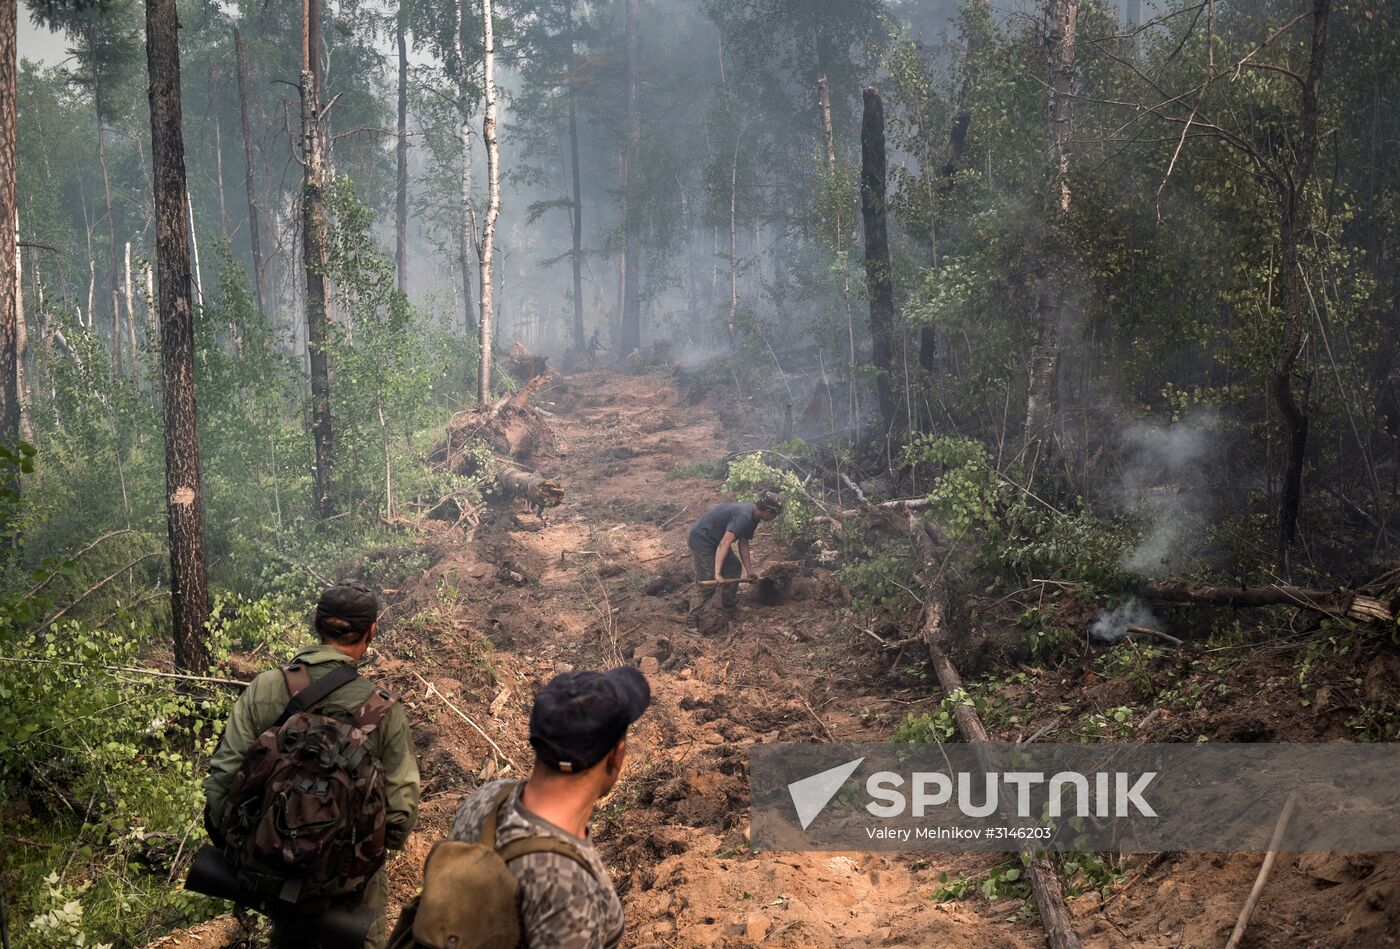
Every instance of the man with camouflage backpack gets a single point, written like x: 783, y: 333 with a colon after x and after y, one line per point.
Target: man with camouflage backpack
x: 520, y: 869
x: 315, y: 777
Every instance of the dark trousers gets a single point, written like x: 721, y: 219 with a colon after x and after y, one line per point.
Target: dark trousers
x: 705, y: 570
x: 376, y: 894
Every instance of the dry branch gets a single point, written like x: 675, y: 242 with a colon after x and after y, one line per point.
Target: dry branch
x: 1045, y: 884
x: 1258, y: 889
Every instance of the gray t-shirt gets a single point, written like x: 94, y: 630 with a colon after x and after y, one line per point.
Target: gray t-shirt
x: 709, y: 530
x: 561, y: 905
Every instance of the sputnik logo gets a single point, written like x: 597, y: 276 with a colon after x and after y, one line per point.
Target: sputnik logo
x: 811, y: 795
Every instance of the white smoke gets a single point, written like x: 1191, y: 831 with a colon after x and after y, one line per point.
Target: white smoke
x: 1164, y: 485
x: 1112, y: 625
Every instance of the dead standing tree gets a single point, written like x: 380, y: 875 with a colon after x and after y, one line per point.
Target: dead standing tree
x: 877, y: 257
x: 313, y: 223
x: 401, y: 154
x: 189, y: 590
x: 1051, y: 311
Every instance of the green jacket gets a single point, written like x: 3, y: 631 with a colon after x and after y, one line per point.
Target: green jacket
x: 263, y: 701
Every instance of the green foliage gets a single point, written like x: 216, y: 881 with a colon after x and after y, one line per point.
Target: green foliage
x: 749, y: 477
x: 716, y: 469
x: 881, y: 581
x: 934, y: 727
x: 965, y: 489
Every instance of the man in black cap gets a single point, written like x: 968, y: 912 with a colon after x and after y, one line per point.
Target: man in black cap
x: 578, y: 728
x: 345, y: 622
x: 713, y: 540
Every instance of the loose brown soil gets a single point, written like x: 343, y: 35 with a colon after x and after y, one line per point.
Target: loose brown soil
x: 605, y: 579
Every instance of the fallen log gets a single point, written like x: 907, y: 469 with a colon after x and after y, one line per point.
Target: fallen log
x: 1045, y: 883
x: 542, y: 492
x: 1344, y: 603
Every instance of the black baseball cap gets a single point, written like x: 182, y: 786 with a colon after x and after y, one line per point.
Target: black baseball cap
x: 351, y: 602
x: 580, y: 716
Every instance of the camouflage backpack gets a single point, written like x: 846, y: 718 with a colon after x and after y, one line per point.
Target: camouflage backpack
x: 470, y: 898
x: 305, y: 818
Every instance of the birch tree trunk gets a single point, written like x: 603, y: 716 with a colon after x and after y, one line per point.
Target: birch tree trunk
x: 631, y: 245
x: 401, y: 156
x: 877, y: 256
x: 493, y: 199
x: 254, y: 237
x: 9, y: 228
x: 1051, y: 312
x: 189, y: 591
x: 313, y: 205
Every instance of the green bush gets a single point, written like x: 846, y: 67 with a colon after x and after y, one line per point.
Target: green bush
x: 749, y: 477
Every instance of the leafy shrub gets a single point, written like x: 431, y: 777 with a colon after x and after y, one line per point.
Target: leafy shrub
x: 881, y: 581
x: 749, y: 477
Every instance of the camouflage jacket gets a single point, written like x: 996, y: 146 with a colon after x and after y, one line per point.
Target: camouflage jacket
x: 561, y: 905
x: 262, y: 702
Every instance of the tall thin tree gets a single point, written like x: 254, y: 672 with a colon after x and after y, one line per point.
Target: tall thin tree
x: 184, y: 500
x: 879, y: 279
x: 576, y: 215
x: 493, y: 197
x: 401, y: 155
x: 631, y: 227
x: 470, y: 314
x: 254, y: 236
x: 313, y: 240
x: 1051, y: 308
x: 9, y: 237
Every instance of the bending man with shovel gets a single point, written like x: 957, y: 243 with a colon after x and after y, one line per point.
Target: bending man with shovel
x: 712, y: 543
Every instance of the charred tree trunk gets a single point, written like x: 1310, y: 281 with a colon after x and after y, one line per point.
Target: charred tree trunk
x: 877, y: 256
x: 9, y: 229
x: 631, y: 243
x: 1294, y: 223
x: 401, y: 156
x: 189, y: 591
x: 493, y: 200
x: 576, y: 218
x: 313, y: 217
x: 1050, y: 308
x: 254, y: 238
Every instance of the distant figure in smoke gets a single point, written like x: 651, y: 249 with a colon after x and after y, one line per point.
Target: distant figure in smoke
x: 595, y: 346
x: 712, y: 541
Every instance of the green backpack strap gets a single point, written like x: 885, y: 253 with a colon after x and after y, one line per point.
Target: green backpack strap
x: 539, y: 843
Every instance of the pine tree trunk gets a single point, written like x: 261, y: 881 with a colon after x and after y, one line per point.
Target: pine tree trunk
x: 9, y: 229
x: 1051, y: 311
x: 313, y: 213
x: 188, y: 587
x: 734, y: 248
x: 824, y: 92
x: 401, y: 156
x: 493, y: 200
x: 577, y: 216
x: 1293, y: 225
x: 877, y: 256
x: 22, y: 396
x: 219, y: 171
x: 631, y: 243
x: 254, y: 238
